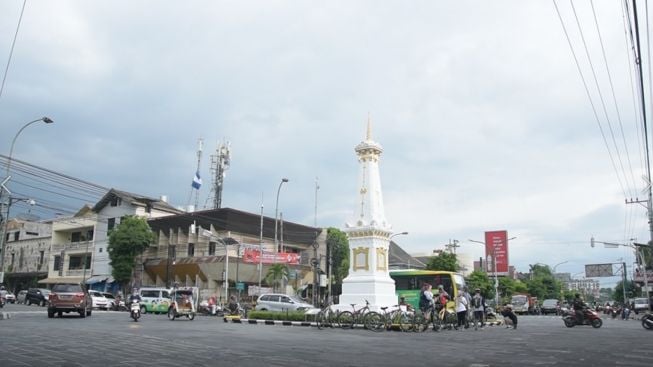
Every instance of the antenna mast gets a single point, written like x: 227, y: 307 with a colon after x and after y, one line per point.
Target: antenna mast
x: 220, y: 163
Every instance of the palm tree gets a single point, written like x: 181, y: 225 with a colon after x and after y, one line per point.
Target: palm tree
x: 277, y: 275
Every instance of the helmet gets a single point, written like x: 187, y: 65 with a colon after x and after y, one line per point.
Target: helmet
x: 477, y: 290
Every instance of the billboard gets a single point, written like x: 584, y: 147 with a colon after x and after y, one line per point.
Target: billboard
x: 496, y: 248
x: 253, y: 256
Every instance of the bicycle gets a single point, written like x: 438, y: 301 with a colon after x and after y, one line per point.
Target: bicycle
x: 376, y: 321
x: 327, y: 317
x: 347, y: 319
x: 423, y: 318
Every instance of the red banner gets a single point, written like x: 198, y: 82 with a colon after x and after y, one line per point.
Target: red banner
x: 254, y: 256
x: 496, y: 247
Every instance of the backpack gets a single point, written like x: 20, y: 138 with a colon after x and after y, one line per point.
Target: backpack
x: 477, y: 302
x: 423, y: 301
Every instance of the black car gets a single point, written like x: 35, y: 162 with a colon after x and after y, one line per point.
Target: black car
x: 39, y: 296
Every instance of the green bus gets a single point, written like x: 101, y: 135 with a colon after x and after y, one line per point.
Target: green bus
x: 408, y: 283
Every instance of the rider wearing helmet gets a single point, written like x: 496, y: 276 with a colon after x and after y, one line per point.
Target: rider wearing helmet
x: 135, y: 296
x: 579, y: 305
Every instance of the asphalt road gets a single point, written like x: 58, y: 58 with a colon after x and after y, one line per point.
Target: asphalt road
x: 29, y: 338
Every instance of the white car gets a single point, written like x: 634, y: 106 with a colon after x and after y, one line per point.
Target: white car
x: 99, y: 300
x: 280, y: 302
x: 10, y: 298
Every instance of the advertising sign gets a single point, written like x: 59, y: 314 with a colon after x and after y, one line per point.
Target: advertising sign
x: 253, y: 256
x: 496, y: 247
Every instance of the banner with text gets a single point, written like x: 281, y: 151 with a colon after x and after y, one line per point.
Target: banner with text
x: 254, y: 257
x: 496, y: 247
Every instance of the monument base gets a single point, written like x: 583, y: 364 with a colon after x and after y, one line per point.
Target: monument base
x: 378, y: 291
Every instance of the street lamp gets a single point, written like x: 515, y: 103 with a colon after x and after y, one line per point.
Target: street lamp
x: 276, y: 220
x: 398, y: 234
x: 3, y: 188
x: 556, y: 265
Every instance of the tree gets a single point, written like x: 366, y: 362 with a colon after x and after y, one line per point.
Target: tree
x: 445, y: 261
x: 480, y: 280
x: 542, y: 284
x: 129, y: 239
x: 338, y: 245
x: 277, y: 275
x: 619, y: 291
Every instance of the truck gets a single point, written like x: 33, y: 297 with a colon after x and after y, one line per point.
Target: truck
x: 522, y: 304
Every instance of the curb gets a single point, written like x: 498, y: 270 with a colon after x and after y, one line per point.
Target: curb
x: 5, y: 315
x: 236, y: 320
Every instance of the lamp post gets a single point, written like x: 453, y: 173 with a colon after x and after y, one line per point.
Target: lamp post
x: 3, y: 188
x: 558, y: 264
x: 494, y: 268
x: 398, y: 234
x: 276, y: 220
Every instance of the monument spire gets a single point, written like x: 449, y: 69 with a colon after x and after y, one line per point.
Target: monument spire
x: 369, y: 235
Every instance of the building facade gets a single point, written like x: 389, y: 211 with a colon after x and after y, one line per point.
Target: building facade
x: 190, y: 249
x: 27, y: 250
x: 79, y: 244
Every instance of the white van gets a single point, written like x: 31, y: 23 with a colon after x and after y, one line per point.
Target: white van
x: 155, y: 300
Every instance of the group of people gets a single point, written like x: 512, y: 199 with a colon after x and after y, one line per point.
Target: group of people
x: 465, y: 303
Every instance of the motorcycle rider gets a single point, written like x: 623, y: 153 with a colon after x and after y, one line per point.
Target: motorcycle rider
x: 578, y: 305
x: 233, y: 305
x: 134, y: 297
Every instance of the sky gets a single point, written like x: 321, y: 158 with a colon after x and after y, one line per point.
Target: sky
x: 479, y: 106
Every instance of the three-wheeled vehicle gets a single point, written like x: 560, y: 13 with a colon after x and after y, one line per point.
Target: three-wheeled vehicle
x: 183, y: 303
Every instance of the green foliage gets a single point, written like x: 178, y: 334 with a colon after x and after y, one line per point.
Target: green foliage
x: 338, y: 244
x: 542, y: 284
x: 277, y: 275
x: 509, y: 286
x: 445, y: 261
x: 480, y: 280
x: 271, y: 315
x: 618, y: 294
x: 128, y: 240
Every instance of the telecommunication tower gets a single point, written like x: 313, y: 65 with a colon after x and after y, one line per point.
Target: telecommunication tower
x: 219, y: 165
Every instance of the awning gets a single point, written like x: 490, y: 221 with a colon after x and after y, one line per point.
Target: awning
x: 96, y: 279
x: 53, y: 280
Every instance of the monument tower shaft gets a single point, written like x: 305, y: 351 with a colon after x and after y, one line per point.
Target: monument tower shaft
x: 369, y: 235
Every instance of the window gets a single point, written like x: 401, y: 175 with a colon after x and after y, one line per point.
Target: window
x: 172, y: 252
x: 211, y: 248
x: 41, y: 256
x: 13, y: 258
x: 16, y: 235
x: 111, y: 222
x: 191, y: 249
x: 31, y: 233
x: 77, y: 262
x: 20, y: 257
x: 57, y: 262
x: 76, y: 237
x: 100, y: 250
x: 116, y: 201
x: 150, y: 294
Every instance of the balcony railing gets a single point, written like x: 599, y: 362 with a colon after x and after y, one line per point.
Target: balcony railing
x: 57, y: 247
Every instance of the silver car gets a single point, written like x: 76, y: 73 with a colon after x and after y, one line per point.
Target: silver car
x: 280, y: 302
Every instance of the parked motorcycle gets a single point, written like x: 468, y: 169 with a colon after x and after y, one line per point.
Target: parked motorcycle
x: 590, y: 317
x: 647, y: 321
x: 135, y: 310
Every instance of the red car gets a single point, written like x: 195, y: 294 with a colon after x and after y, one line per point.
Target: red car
x: 67, y: 297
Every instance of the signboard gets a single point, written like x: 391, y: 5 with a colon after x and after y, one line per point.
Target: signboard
x: 240, y: 286
x: 496, y: 246
x: 639, y: 276
x: 253, y: 256
x: 598, y: 270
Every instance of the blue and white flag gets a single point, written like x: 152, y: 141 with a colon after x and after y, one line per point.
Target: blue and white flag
x: 197, y: 181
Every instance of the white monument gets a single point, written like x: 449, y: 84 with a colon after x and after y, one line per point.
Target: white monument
x: 369, y: 236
